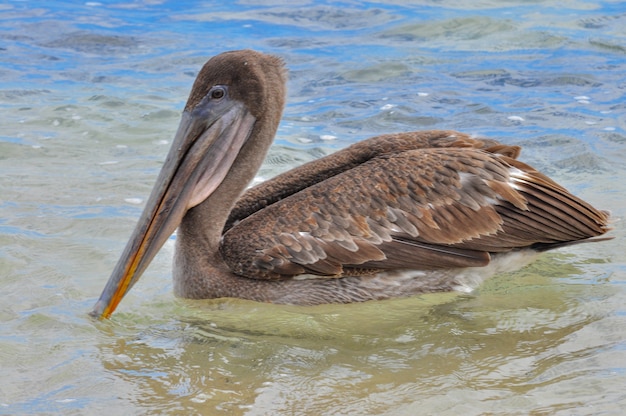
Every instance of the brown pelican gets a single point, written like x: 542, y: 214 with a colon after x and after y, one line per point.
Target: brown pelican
x: 391, y: 216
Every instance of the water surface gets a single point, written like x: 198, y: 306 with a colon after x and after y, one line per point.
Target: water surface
x: 90, y: 97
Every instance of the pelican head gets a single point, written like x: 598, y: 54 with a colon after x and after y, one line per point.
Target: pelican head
x: 230, y: 119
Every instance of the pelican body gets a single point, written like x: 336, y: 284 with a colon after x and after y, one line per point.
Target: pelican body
x: 391, y: 216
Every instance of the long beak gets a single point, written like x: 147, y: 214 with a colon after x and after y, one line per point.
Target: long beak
x: 204, y: 148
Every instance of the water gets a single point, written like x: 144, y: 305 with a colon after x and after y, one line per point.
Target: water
x: 90, y: 96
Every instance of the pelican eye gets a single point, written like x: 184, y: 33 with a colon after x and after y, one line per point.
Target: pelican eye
x: 217, y: 93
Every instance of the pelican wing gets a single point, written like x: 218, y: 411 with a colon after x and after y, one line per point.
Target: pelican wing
x: 410, y: 208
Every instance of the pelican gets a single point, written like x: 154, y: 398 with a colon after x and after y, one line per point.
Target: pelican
x: 392, y: 216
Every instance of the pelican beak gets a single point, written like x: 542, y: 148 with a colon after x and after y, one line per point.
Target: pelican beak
x: 206, y: 144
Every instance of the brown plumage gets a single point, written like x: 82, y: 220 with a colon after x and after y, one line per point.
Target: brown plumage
x: 394, y: 215
x: 438, y: 199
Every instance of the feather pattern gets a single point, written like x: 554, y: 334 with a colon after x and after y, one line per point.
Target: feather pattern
x: 423, y: 200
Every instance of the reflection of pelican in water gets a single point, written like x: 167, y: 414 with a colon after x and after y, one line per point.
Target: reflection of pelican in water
x: 391, y: 216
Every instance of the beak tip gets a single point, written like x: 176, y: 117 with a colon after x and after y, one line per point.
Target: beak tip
x: 98, y: 311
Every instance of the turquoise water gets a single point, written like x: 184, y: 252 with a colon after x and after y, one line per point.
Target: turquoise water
x: 90, y: 97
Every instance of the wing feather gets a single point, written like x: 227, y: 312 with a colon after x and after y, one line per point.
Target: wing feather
x: 446, y: 201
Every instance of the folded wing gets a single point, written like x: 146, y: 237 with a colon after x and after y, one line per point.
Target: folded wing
x: 444, y: 202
